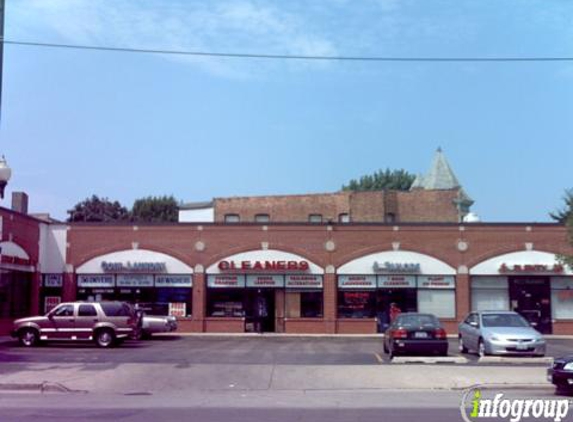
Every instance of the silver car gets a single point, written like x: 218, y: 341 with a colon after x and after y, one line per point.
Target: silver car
x: 153, y: 324
x: 499, y: 333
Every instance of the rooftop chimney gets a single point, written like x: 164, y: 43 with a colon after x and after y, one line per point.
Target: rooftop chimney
x: 20, y: 202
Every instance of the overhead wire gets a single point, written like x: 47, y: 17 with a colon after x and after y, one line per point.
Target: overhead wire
x: 290, y: 56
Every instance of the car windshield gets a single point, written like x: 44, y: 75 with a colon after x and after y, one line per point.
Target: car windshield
x: 416, y: 320
x: 503, y: 320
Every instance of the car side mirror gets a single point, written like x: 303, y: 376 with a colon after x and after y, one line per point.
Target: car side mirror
x: 474, y: 324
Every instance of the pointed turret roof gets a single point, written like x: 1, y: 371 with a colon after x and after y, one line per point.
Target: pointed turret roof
x: 441, y: 175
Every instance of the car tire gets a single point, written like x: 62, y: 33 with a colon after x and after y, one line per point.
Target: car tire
x: 28, y: 337
x: 392, y: 354
x: 105, y: 337
x: 461, y: 346
x: 386, y: 348
x: 481, y: 349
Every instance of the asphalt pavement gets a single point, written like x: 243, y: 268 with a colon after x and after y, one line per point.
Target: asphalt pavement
x: 281, y: 406
x: 263, y: 350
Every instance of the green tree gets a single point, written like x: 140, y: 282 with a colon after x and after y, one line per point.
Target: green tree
x: 568, y: 259
x: 563, y: 214
x: 96, y: 209
x: 155, y: 209
x: 382, y: 179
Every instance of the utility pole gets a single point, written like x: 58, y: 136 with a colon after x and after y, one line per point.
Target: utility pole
x: 2, y: 9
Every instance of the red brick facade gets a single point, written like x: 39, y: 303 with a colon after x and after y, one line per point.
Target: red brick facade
x: 364, y: 207
x: 329, y: 246
x: 351, y: 241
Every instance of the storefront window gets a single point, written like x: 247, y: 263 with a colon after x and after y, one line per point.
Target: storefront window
x: 562, y: 297
x: 15, y: 293
x: 490, y: 294
x: 225, y: 303
x: 51, y: 292
x: 164, y: 294
x: 437, y: 295
x: 441, y: 303
x: 356, y: 304
x: 303, y: 304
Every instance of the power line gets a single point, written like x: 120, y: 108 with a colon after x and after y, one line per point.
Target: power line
x: 289, y: 56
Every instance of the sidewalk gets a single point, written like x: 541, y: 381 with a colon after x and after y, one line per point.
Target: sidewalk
x: 137, y: 378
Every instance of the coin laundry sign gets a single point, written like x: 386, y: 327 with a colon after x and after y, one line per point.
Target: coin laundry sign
x: 133, y: 267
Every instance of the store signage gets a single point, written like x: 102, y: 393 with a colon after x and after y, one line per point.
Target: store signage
x: 133, y: 267
x: 96, y: 281
x: 397, y: 267
x: 178, y: 309
x: 267, y: 266
x: 531, y: 268
x: 265, y: 281
x: 173, y: 281
x: 565, y: 295
x: 50, y: 302
x: 225, y: 281
x: 304, y: 281
x: 356, y: 281
x: 53, y: 280
x: 134, y: 280
x: 436, y: 282
x: 397, y: 281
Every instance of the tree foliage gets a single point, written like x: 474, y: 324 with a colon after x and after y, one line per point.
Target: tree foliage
x: 382, y: 179
x: 96, y: 209
x: 564, y: 213
x: 155, y: 209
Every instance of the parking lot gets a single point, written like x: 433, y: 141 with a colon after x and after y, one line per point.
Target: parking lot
x: 189, y: 350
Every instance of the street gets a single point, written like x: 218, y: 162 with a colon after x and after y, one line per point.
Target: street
x: 267, y: 378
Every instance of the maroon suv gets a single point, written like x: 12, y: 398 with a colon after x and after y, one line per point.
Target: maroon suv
x: 106, y: 323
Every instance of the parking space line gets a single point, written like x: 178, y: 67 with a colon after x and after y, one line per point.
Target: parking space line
x: 379, y: 357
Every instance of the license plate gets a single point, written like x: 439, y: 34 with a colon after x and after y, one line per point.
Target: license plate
x: 522, y: 347
x: 420, y: 334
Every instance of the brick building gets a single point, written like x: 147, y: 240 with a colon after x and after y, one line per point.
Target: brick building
x: 437, y: 197
x: 297, y: 278
x: 317, y: 276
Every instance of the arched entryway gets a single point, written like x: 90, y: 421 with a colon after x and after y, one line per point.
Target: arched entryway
x: 159, y: 282
x: 378, y: 286
x: 263, y: 291
x: 532, y: 283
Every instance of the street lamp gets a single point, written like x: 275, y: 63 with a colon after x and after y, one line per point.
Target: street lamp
x: 5, y: 174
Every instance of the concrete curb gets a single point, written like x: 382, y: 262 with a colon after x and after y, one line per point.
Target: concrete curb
x: 43, y: 387
x: 521, y: 360
x: 456, y: 360
x: 508, y: 386
x: 303, y: 335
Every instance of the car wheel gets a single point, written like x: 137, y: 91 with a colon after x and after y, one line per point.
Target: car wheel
x: 28, y: 337
x: 105, y: 338
x: 385, y: 348
x: 481, y: 349
x: 392, y: 354
x: 461, y: 346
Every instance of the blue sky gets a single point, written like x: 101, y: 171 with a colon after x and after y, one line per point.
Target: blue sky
x: 122, y: 125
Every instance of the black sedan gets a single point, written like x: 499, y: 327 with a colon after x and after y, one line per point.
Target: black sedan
x: 415, y: 333
x: 561, y: 373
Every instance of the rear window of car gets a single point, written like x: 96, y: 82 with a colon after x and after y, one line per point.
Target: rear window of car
x: 417, y: 320
x: 114, y: 309
x: 503, y: 320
